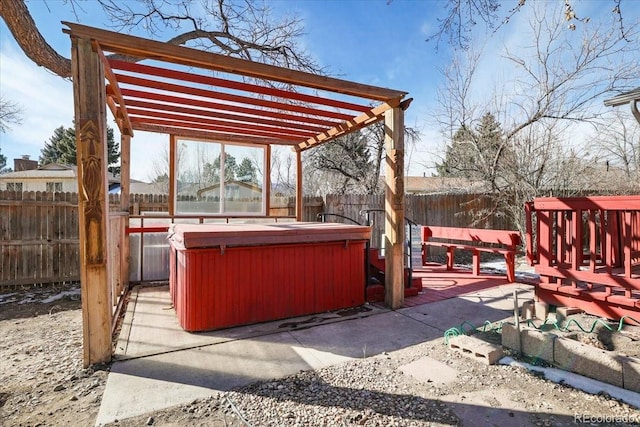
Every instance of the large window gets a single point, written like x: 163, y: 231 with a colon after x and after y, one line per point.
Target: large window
x: 14, y: 186
x: 217, y: 178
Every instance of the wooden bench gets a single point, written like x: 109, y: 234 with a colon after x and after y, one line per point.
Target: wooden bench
x: 504, y: 242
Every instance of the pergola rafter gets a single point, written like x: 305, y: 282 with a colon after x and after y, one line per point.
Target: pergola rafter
x: 188, y: 93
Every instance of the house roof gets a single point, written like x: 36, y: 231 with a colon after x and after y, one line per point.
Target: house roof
x: 171, y: 89
x: 51, y: 171
x: 623, y: 98
x: 430, y: 184
x: 247, y: 185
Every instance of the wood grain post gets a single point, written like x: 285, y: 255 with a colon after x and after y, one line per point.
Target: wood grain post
x: 267, y: 181
x: 93, y: 208
x: 299, y: 206
x: 125, y: 194
x: 173, y: 152
x: 394, y: 208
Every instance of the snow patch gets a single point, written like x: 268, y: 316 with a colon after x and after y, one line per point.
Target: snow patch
x: 60, y: 296
x: 8, y: 298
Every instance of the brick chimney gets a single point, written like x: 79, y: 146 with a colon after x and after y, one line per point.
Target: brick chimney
x: 24, y: 164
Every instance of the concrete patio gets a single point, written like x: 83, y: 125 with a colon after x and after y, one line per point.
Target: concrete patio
x: 158, y: 365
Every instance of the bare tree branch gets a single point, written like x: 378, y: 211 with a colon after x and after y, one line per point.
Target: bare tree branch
x: 241, y: 28
x: 26, y: 33
x: 462, y: 16
x: 558, y: 79
x: 10, y: 114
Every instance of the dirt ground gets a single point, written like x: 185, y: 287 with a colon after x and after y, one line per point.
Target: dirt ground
x: 42, y: 382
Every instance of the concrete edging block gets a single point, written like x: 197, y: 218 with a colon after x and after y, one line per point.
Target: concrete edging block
x: 538, y: 344
x: 541, y: 310
x: 528, y: 310
x: 476, y: 349
x: 510, y: 337
x: 587, y: 360
x: 533, y: 343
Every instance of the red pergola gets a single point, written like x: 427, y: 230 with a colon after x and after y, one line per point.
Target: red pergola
x: 184, y: 92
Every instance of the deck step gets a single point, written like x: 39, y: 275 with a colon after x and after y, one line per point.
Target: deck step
x: 375, y: 293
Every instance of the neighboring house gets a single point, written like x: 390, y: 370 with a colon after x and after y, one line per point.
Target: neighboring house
x: 233, y: 190
x: 53, y: 177
x: 439, y: 184
x: 139, y: 187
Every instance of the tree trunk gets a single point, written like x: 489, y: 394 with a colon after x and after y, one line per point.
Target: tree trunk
x: 24, y: 30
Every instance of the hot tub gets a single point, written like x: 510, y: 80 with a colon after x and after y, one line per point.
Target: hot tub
x: 224, y: 275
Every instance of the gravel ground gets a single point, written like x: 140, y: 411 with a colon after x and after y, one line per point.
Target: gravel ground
x: 375, y: 392
x: 42, y: 383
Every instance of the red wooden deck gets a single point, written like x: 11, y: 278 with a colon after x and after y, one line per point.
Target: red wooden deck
x: 587, y: 252
x: 439, y: 284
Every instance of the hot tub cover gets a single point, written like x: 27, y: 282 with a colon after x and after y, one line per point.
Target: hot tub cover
x: 191, y: 236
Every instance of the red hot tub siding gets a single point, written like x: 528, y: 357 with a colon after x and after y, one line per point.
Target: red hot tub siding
x: 264, y: 272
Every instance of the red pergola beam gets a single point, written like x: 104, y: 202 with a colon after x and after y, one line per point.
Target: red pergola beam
x: 212, y: 128
x: 230, y: 84
x: 241, y: 126
x: 133, y: 93
x: 209, y: 135
x: 221, y: 115
x: 121, y: 116
x: 144, y: 48
x: 170, y: 87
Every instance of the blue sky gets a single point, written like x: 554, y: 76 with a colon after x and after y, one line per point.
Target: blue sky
x: 369, y: 41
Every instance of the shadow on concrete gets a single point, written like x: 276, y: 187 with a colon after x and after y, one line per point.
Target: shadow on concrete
x: 180, y: 366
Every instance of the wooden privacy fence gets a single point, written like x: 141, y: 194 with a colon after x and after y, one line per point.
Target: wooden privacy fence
x: 39, y: 240
x: 39, y: 230
x: 450, y: 210
x: 39, y: 235
x: 587, y: 252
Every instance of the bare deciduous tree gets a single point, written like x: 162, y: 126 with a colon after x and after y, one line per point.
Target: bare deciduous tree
x: 558, y: 80
x: 242, y: 28
x: 462, y: 16
x: 353, y: 163
x: 10, y: 114
x: 283, y: 171
x: 616, y: 145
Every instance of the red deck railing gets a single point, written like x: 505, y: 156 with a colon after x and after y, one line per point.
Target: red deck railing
x: 587, y: 252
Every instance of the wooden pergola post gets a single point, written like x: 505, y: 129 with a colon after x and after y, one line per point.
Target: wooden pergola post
x: 93, y: 202
x: 173, y: 152
x: 299, y: 206
x: 125, y: 191
x: 267, y: 181
x: 394, y: 207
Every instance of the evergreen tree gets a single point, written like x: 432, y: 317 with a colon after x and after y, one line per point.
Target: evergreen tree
x: 58, y: 149
x: 3, y: 161
x: 460, y: 156
x: 61, y: 148
x: 246, y: 172
x: 211, y: 173
x: 476, y: 154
